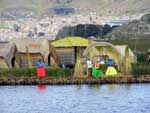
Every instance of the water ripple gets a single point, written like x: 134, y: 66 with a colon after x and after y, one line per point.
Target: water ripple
x: 133, y: 98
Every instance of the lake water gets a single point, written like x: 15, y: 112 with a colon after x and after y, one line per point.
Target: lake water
x: 133, y: 98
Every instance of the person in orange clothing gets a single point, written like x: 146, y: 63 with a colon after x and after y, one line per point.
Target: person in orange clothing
x: 41, y: 69
x: 96, y: 71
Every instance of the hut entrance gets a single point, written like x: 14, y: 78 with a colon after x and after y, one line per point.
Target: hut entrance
x: 49, y: 59
x: 75, y: 54
x: 103, y: 51
x: 13, y: 62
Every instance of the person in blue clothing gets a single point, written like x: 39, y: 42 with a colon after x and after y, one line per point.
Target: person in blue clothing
x: 40, y: 63
x: 110, y: 62
x: 111, y: 69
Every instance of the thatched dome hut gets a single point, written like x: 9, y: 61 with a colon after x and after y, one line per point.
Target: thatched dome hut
x: 9, y: 57
x: 33, y: 49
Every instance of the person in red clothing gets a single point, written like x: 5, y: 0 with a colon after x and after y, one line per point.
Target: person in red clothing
x: 41, y: 69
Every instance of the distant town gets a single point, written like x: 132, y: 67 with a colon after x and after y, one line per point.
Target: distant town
x: 50, y: 26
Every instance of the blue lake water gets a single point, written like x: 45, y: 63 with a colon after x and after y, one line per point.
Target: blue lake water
x: 133, y: 98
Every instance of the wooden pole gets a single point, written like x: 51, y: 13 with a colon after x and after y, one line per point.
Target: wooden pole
x: 28, y: 58
x: 78, y: 66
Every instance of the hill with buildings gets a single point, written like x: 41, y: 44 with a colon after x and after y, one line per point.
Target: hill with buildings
x: 137, y: 29
x: 59, y: 18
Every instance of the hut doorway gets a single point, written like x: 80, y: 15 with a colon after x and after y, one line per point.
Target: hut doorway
x: 13, y: 62
x: 49, y: 59
x: 75, y: 54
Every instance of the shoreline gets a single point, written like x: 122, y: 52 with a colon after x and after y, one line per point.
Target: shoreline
x: 72, y: 81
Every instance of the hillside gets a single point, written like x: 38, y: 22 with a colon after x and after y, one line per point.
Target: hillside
x: 137, y: 29
x: 100, y: 7
x: 59, y: 18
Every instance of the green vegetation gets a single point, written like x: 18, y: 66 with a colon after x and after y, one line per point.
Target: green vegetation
x: 59, y: 72
x: 136, y: 45
x: 30, y: 72
x: 141, y: 58
x: 140, y: 69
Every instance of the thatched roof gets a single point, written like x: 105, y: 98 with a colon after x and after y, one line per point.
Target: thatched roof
x: 7, y: 51
x: 99, y: 44
x: 70, y: 42
x: 34, y: 45
x: 121, y: 50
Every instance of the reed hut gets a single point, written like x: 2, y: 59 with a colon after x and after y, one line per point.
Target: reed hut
x: 127, y: 57
x: 33, y: 49
x: 9, y: 57
x: 70, y: 51
x: 67, y: 48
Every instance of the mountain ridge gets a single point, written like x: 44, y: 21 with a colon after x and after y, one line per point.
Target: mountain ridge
x: 100, y: 7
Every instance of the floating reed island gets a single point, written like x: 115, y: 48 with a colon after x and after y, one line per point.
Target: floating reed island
x: 60, y: 76
x: 72, y: 81
x: 18, y: 61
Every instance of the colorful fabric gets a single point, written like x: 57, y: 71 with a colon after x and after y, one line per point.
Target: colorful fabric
x: 40, y: 64
x: 89, y: 63
x: 110, y: 62
x: 96, y: 72
x: 97, y: 65
x: 111, y: 71
x: 41, y: 72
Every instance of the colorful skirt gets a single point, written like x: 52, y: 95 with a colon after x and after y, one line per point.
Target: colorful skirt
x: 111, y: 71
x: 97, y: 72
x: 41, y: 72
